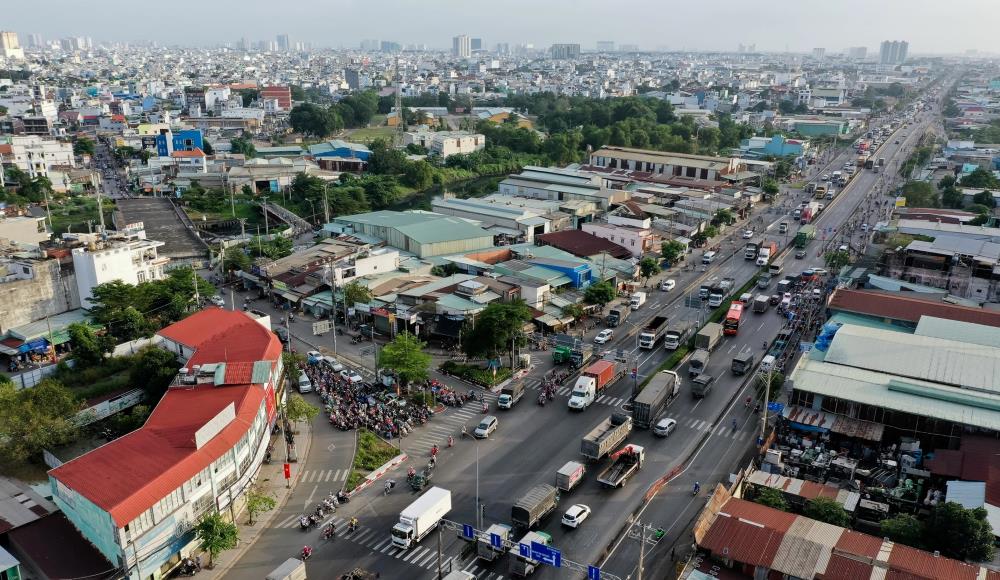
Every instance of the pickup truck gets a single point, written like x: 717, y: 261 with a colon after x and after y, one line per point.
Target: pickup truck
x: 606, y: 436
x: 627, y: 461
x: 510, y: 395
x: 593, y: 381
x: 539, y: 502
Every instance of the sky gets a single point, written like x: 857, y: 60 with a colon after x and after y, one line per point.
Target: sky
x: 930, y: 26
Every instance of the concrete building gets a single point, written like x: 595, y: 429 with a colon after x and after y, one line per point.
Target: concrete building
x: 665, y: 163
x: 129, y: 258
x: 187, y: 140
x: 24, y: 230
x: 34, y: 288
x: 447, y: 143
x: 421, y: 233
x: 565, y: 51
x: 776, y: 145
x: 552, y: 183
x: 637, y: 241
x: 10, y: 46
x: 516, y: 222
x: 193, y: 161
x: 461, y: 46
x: 35, y: 155
x: 857, y: 53
x: 137, y: 498
x: 819, y: 53
x: 282, y: 94
x: 893, y: 51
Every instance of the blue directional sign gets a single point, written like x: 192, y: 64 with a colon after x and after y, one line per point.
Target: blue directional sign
x: 496, y: 541
x: 524, y: 550
x: 468, y: 531
x: 546, y: 554
x: 593, y: 573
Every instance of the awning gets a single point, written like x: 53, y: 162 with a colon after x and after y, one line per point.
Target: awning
x: 809, y: 420
x: 39, y: 345
x: 289, y: 296
x: 249, y: 276
x: 10, y: 346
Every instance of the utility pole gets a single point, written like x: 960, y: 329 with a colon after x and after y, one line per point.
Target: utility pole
x: 197, y: 297
x: 326, y: 207
x: 440, y: 555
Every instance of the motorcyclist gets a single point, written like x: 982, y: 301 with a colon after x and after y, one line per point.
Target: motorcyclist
x: 329, y: 531
x: 354, y: 524
x: 306, y: 552
x: 464, y: 432
x: 434, y: 450
x: 451, y: 441
x: 410, y: 472
x: 697, y: 487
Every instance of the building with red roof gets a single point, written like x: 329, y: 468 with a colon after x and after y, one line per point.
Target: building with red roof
x: 200, y: 449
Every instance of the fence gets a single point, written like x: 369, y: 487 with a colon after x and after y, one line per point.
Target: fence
x: 32, y: 377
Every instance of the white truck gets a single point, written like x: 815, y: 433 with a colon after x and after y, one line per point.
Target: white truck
x: 420, y: 517
x: 485, y: 550
x: 570, y: 475
x: 637, y: 300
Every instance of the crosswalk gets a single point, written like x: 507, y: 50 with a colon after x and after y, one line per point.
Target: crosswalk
x: 324, y: 475
x: 564, y: 391
x: 450, y: 423
x: 481, y: 573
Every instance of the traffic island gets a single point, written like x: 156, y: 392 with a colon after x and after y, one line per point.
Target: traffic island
x: 373, y: 458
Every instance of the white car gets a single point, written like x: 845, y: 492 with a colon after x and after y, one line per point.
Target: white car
x: 664, y: 427
x: 575, y: 515
x: 218, y: 301
x: 351, y: 376
x: 817, y: 294
x: 668, y: 285
x: 333, y: 363
x: 604, y: 336
x: 487, y: 426
x: 820, y: 271
x: 747, y: 234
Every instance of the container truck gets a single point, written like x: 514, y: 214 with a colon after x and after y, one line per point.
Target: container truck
x: 637, y: 300
x: 606, y: 436
x: 618, y: 314
x: 522, y: 566
x: 420, y: 517
x: 676, y: 334
x: 485, y: 550
x: 510, y: 395
x: 653, y: 332
x: 654, y: 398
x: 709, y: 336
x: 809, y: 212
x: 570, y: 475
x: 627, y: 461
x: 593, y: 381
x: 768, y: 251
x: 698, y: 362
x: 805, y: 235
x: 539, y: 502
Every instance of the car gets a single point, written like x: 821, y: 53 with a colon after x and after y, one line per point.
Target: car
x: 896, y: 141
x: 333, y: 363
x: 747, y: 234
x: 817, y: 294
x: 314, y: 356
x: 767, y: 363
x: 820, y: 272
x: 800, y: 254
x: 825, y: 177
x: 775, y: 299
x: 843, y: 248
x: 575, y: 515
x: 604, y: 336
x: 305, y: 385
x: 864, y: 227
x: 282, y: 333
x: 486, y: 426
x: 351, y: 376
x: 218, y: 301
x: 668, y: 285
x: 664, y: 427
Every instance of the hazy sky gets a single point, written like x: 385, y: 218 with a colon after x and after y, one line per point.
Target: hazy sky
x: 931, y: 26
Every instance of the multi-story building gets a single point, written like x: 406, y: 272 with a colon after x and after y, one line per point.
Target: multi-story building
x: 477, y: 44
x: 637, y: 241
x: 34, y: 287
x: 138, y: 498
x: 857, y: 53
x: 10, y: 46
x: 893, y: 51
x: 445, y: 143
x: 282, y: 94
x: 187, y: 140
x: 565, y: 51
x: 605, y: 46
x: 128, y: 257
x: 819, y: 53
x: 461, y: 46
x: 35, y: 155
x: 282, y: 42
x: 665, y: 163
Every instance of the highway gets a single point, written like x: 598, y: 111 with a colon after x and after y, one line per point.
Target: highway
x: 532, y: 442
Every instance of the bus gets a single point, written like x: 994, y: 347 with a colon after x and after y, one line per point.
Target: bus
x: 733, y: 319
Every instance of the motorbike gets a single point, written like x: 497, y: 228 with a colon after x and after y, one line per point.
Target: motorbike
x: 541, y: 400
x: 306, y: 553
x: 304, y: 523
x: 343, y: 497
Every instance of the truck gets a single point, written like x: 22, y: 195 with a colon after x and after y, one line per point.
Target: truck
x: 720, y: 291
x: 637, y: 300
x: 653, y: 332
x: 869, y: 163
x: 774, y: 270
x: 760, y: 303
x: 701, y: 385
x: 751, y: 249
x: 420, y: 517
x: 880, y: 162
x: 698, y: 362
x: 606, y: 436
x: 709, y: 336
x: 570, y: 475
x: 290, y: 569
x: 704, y: 290
x: 806, y: 234
x: 593, y: 381
x: 654, y: 397
x: 809, y: 212
x: 820, y: 191
x: 539, y: 502
x: 627, y: 461
x: 676, y: 334
x: 569, y: 349
x: 521, y: 565
x: 485, y: 550
x: 618, y: 314
x: 510, y: 395
x: 742, y: 362
x: 767, y: 252
x: 764, y: 280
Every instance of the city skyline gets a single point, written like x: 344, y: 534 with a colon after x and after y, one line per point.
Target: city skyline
x: 730, y: 23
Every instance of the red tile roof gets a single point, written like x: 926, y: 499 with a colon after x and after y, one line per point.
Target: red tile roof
x: 906, y: 308
x: 582, y: 244
x: 6, y: 149
x: 906, y: 563
x: 196, y: 152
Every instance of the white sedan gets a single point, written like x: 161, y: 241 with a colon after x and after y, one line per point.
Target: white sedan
x: 575, y: 515
x: 351, y: 376
x: 604, y: 336
x: 747, y: 234
x: 668, y: 285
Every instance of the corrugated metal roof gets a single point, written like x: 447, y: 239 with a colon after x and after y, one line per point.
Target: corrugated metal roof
x: 742, y: 540
x: 981, y: 334
x: 907, y: 563
x: 859, y: 544
x: 806, y: 548
x: 843, y: 568
x: 918, y: 357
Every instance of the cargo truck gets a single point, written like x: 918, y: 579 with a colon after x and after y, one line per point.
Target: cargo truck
x: 569, y: 349
x: 570, y: 475
x: 805, y: 235
x: 751, y: 249
x: 637, y: 300
x: 606, y: 436
x: 761, y: 303
x: 720, y: 291
x: 485, y: 550
x: 820, y: 191
x: 742, y: 363
x: 290, y: 569
x: 709, y: 336
x: 618, y: 314
x: 522, y: 566
x: 654, y: 398
x: 768, y: 251
x: 627, y: 461
x: 698, y: 362
x: 764, y: 280
x: 593, y: 381
x: 809, y: 212
x: 653, y: 332
x: 701, y: 385
x: 539, y: 502
x: 510, y: 395
x: 420, y: 517
x: 677, y: 334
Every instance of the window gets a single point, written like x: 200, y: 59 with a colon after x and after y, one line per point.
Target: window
x: 201, y: 505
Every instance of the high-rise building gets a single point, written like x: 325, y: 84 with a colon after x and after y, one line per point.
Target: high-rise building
x: 35, y: 41
x: 605, y: 46
x: 10, y: 47
x: 567, y: 51
x: 389, y: 46
x: 819, y: 53
x: 503, y: 48
x: 476, y: 44
x: 857, y: 53
x: 893, y: 51
x: 628, y: 48
x: 461, y: 46
x: 282, y: 42
x: 370, y: 44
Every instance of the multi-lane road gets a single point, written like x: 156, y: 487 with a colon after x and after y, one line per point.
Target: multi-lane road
x: 532, y: 442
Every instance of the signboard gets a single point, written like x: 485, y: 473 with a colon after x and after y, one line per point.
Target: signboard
x: 593, y: 573
x: 468, y: 531
x: 496, y: 541
x: 320, y: 327
x: 900, y: 202
x: 546, y: 554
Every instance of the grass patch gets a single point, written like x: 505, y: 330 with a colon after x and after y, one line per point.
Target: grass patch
x: 369, y: 134
x: 72, y: 214
x: 354, y: 479
x: 476, y: 374
x: 372, y: 451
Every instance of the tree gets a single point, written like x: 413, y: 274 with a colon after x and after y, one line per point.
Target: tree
x: 963, y: 534
x: 837, y: 259
x: 310, y: 119
x: 494, y: 329
x: 405, y: 356
x: 35, y: 419
x: 984, y: 198
x: 980, y: 178
x: 827, y: 510
x: 245, y: 147
x: 259, y: 500
x: 88, y: 348
x: 216, y: 535
x: 920, y: 194
x: 153, y: 370
x: 772, y: 498
x: 419, y: 174
x: 770, y: 187
x: 83, y: 146
x: 298, y: 409
x: 385, y: 159
x: 208, y: 149
x: 600, y: 293
x: 236, y: 258
x: 903, y: 528
x: 574, y: 310
x: 710, y: 232
x: 132, y: 325
x: 671, y: 251
x: 355, y: 293
x: 648, y: 267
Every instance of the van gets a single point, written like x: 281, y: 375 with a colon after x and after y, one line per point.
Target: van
x: 708, y: 257
x: 305, y: 385
x: 767, y: 363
